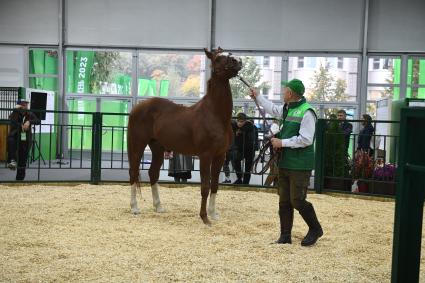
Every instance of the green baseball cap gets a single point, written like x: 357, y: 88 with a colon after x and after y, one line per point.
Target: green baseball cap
x: 295, y: 85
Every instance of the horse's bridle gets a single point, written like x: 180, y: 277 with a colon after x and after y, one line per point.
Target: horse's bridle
x: 227, y: 61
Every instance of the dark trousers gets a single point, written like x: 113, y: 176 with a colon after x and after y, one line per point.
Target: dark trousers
x: 293, y: 185
x: 245, y: 176
x: 226, y: 167
x: 20, y: 148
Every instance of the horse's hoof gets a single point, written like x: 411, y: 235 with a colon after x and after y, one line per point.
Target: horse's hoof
x: 206, y: 221
x: 135, y: 211
x: 213, y: 215
x: 160, y: 209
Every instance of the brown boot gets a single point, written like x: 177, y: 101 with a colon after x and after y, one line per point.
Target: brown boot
x: 315, y: 231
x: 286, y: 217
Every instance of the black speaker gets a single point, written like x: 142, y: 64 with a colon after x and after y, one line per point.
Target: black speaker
x: 39, y: 102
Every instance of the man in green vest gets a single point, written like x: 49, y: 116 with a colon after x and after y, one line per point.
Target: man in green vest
x: 296, y: 136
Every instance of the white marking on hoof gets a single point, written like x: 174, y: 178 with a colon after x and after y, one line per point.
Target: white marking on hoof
x: 133, y: 200
x: 156, y: 200
x: 160, y: 209
x: 211, y: 208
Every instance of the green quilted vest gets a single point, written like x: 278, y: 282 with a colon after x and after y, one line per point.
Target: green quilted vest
x: 295, y: 158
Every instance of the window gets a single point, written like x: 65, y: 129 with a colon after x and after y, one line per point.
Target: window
x: 262, y: 78
x: 172, y: 74
x: 340, y: 63
x: 310, y: 62
x: 266, y: 61
x: 416, y: 77
x: 376, y: 63
x: 324, y: 81
x: 388, y: 74
x: 387, y: 63
x: 43, y: 69
x: 300, y: 62
x: 98, y: 72
x: 383, y: 83
x: 265, y: 91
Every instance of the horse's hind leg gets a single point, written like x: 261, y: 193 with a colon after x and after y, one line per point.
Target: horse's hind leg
x: 157, y: 160
x: 135, y: 153
x: 205, y: 168
x: 216, y: 166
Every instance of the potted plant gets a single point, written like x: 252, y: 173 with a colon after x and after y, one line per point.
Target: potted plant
x: 384, y: 176
x: 336, y: 159
x: 362, y: 170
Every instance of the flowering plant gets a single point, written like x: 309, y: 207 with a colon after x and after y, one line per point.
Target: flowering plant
x: 384, y: 172
x: 363, y: 166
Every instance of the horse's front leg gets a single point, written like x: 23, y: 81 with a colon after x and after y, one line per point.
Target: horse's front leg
x: 217, y: 164
x: 133, y: 201
x: 205, y: 168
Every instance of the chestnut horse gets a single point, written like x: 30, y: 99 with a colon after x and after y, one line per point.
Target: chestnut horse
x: 202, y: 129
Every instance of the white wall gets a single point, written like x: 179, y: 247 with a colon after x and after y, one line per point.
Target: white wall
x: 29, y: 21
x: 295, y: 25
x: 12, y: 66
x: 396, y: 26
x: 159, y: 23
x: 282, y: 25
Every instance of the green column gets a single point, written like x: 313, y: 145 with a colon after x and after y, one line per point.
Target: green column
x: 96, y: 157
x: 409, y: 197
x: 319, y: 155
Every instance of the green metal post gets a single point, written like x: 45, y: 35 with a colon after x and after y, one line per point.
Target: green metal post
x: 96, y: 153
x: 409, y: 197
x: 319, y: 155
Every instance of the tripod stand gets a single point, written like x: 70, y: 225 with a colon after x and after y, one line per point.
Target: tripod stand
x: 40, y: 155
x: 35, y: 145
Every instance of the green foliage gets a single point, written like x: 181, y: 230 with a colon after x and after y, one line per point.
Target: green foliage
x: 327, y: 88
x: 176, y: 68
x: 106, y: 66
x: 336, y: 163
x: 251, y: 72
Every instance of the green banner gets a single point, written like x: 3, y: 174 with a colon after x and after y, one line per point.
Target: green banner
x: 164, y: 87
x: 147, y: 87
x: 396, y: 79
x: 70, y: 71
x: 123, y: 83
x: 421, y: 91
x: 82, y: 70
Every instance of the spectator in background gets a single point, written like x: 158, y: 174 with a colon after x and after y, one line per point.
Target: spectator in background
x: 245, y: 142
x: 19, y: 139
x: 230, y: 154
x: 365, y: 134
x: 180, y: 167
x: 347, y: 128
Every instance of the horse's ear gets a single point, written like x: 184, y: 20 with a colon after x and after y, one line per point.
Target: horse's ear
x: 209, y: 54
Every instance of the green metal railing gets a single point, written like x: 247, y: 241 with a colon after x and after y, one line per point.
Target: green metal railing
x: 338, y: 171
x: 94, y: 143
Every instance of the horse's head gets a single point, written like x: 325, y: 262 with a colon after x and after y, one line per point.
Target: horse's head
x: 224, y: 65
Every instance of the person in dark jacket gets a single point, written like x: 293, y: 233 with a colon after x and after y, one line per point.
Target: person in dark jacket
x: 347, y: 128
x: 19, y: 139
x: 365, y: 134
x: 245, y: 141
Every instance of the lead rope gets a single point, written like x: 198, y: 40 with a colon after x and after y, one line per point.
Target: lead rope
x: 267, y: 147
